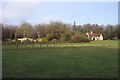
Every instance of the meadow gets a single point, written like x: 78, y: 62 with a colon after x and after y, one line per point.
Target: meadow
x: 98, y: 59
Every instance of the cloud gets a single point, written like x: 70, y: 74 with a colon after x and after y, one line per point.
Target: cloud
x: 15, y: 10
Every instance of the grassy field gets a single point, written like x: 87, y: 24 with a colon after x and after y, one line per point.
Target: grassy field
x: 66, y: 62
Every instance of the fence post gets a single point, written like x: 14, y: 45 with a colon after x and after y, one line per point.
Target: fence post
x: 40, y: 45
x: 65, y: 44
x: 72, y: 44
x: 110, y: 44
x: 25, y: 44
x: 17, y: 45
x: 9, y: 45
x: 54, y: 44
x: 32, y: 44
x: 60, y: 44
x: 47, y: 44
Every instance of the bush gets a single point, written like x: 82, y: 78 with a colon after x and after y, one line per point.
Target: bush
x: 49, y: 37
x: 114, y: 38
x: 43, y: 40
x: 79, y: 38
x: 67, y: 37
x: 62, y: 38
x: 12, y: 42
x: 54, y: 40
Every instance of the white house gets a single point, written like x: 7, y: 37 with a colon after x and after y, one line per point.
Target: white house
x: 24, y: 39
x: 94, y: 36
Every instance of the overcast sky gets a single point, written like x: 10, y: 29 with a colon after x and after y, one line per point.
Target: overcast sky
x: 68, y: 12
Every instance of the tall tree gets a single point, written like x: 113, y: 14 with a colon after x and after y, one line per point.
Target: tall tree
x: 1, y: 31
x: 25, y: 29
x: 41, y: 30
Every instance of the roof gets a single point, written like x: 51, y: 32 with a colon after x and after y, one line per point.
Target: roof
x: 25, y: 39
x: 95, y: 35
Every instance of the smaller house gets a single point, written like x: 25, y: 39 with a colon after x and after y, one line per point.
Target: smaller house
x: 24, y: 39
x: 94, y: 36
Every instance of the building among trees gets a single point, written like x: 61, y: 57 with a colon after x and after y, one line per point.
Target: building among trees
x: 93, y: 36
x: 24, y: 39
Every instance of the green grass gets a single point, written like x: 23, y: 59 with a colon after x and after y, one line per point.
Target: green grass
x: 66, y: 62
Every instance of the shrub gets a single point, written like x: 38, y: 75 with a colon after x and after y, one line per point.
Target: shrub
x: 12, y: 42
x: 79, y: 38
x: 43, y: 40
x: 67, y: 37
x: 49, y: 37
x: 54, y: 40
x: 62, y: 38
x: 114, y: 38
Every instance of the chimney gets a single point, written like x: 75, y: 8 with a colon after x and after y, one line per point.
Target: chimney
x: 91, y: 32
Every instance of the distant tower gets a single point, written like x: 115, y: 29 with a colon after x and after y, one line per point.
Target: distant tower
x: 74, y: 24
x: 91, y: 32
x: 38, y: 35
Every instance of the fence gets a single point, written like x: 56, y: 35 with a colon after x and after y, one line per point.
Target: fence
x: 50, y: 44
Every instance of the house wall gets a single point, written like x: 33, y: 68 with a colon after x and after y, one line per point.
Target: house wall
x: 97, y: 38
x: 101, y: 37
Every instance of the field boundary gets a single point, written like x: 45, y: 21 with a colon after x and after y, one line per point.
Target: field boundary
x: 60, y: 45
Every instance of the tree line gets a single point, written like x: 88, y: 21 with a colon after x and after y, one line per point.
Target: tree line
x: 58, y: 30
